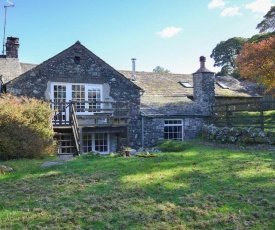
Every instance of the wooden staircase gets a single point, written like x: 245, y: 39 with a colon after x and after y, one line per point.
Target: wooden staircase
x: 66, y: 145
x: 68, y: 126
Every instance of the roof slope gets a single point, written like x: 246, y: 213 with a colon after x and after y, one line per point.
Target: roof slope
x: 164, y: 95
x: 11, y: 68
x: 25, y: 67
x: 167, y: 84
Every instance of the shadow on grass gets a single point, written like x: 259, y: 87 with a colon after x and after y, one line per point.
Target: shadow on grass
x: 199, y: 188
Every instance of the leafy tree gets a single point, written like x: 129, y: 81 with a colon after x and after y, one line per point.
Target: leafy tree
x: 256, y: 62
x: 260, y: 37
x: 226, y: 52
x: 159, y: 69
x: 268, y: 23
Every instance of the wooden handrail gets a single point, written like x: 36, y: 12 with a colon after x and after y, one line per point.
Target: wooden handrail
x: 75, y: 128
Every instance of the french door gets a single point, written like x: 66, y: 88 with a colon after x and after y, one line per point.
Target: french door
x: 98, y: 142
x: 59, y: 105
x: 80, y: 93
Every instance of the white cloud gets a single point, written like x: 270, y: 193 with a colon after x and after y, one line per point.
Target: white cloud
x: 261, y: 6
x: 231, y: 11
x: 169, y: 32
x: 216, y: 4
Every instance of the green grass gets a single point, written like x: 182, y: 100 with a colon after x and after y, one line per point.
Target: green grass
x: 199, y: 188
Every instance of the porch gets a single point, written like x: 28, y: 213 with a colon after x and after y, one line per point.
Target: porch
x: 71, y: 119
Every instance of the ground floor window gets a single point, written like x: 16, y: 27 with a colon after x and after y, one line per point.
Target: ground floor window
x: 95, y: 142
x: 173, y: 129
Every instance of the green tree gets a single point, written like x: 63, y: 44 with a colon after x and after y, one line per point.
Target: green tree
x: 268, y: 23
x: 226, y: 52
x: 259, y: 37
x: 159, y: 69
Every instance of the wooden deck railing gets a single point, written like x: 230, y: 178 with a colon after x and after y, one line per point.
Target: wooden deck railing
x: 89, y: 113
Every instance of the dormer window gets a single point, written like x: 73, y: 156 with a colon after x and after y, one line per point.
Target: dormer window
x: 223, y: 86
x: 185, y: 84
x: 77, y: 60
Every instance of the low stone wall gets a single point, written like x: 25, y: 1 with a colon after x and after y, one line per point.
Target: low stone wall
x: 237, y: 135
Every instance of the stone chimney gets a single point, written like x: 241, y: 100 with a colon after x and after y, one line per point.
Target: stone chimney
x: 204, y: 89
x: 12, y: 46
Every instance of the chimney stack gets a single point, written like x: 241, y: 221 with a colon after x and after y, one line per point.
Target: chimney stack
x: 204, y: 89
x: 202, y: 61
x: 133, y: 69
x: 12, y: 46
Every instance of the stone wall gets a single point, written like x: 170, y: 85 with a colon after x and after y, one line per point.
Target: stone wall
x: 153, y: 128
x: 88, y: 68
x: 204, y: 92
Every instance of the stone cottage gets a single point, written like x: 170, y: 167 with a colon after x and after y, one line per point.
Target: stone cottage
x: 97, y: 108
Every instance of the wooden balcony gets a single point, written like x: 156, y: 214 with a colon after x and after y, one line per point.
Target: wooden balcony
x: 90, y: 113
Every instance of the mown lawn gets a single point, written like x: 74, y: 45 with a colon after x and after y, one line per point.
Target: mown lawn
x: 199, y: 188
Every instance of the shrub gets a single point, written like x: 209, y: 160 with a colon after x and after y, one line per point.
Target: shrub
x: 171, y: 146
x: 25, y: 128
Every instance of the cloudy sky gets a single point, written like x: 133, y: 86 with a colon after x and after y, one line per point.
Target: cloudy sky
x: 169, y: 33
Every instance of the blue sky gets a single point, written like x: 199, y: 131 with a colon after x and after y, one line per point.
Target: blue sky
x: 169, y: 33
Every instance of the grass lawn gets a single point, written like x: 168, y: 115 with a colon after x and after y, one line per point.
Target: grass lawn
x: 199, y: 188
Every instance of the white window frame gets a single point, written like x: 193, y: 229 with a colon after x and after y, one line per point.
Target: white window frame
x: 69, y: 92
x: 174, y: 125
x: 92, y: 140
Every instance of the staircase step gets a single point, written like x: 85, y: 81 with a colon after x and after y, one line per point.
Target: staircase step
x: 66, y: 147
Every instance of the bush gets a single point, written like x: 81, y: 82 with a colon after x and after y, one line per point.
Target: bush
x: 25, y: 128
x: 171, y: 146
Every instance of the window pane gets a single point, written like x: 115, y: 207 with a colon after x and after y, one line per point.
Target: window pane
x: 94, y: 95
x: 87, y: 142
x: 173, y: 130
x: 101, y: 142
x: 78, y: 95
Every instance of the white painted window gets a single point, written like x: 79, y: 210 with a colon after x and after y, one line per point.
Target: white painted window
x: 173, y: 129
x: 98, y: 142
x: 78, y: 95
x: 59, y: 95
x: 81, y: 93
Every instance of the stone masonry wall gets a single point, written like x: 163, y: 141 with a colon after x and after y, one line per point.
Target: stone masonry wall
x: 204, y: 92
x: 154, y: 129
x: 90, y: 69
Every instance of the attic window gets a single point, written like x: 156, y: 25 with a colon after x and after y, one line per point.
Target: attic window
x: 77, y: 60
x: 223, y: 86
x: 186, y: 84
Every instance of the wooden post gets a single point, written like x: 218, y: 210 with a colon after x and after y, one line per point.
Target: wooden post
x: 227, y: 114
x: 60, y: 113
x: 80, y: 140
x: 70, y: 112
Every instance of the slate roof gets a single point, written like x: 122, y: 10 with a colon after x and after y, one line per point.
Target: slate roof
x: 11, y: 68
x: 164, y: 95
